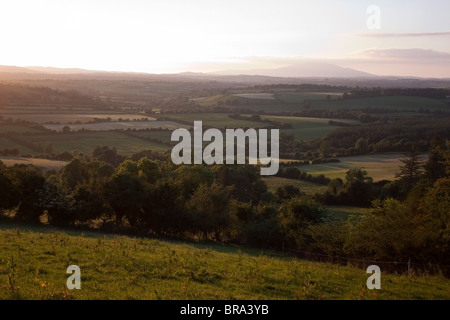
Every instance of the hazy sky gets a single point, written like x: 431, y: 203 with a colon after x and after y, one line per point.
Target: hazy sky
x: 208, y: 35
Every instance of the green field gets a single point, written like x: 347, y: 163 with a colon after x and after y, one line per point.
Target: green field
x: 273, y: 183
x: 118, y: 125
x: 216, y: 120
x: 292, y: 102
x: 86, y: 142
x: 65, y: 118
x: 298, y: 97
x: 307, y: 128
x: 302, y: 127
x: 378, y: 166
x: 45, y: 164
x: 8, y: 128
x: 6, y: 143
x: 33, y: 263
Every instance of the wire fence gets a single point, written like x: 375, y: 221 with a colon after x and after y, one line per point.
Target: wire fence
x: 387, y: 265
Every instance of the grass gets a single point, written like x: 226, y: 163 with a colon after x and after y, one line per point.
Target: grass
x: 33, y: 265
x: 292, y: 102
x: 40, y: 163
x: 6, y: 143
x: 86, y: 142
x: 273, y: 183
x: 64, y: 118
x: 302, y: 96
x: 307, y: 128
x: 7, y: 128
x: 118, y: 125
x: 378, y: 166
x: 216, y: 120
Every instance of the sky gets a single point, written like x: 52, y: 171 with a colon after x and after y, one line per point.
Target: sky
x: 407, y: 38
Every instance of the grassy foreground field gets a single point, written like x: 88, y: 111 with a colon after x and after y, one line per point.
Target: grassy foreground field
x: 33, y: 263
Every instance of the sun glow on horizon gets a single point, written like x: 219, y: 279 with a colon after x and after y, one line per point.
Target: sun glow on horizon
x: 196, y: 35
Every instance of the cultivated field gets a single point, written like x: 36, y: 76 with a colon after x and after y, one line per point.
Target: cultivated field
x: 86, y: 142
x: 294, y: 102
x: 264, y: 95
x: 33, y: 263
x: 65, y: 118
x: 44, y: 164
x: 273, y: 183
x: 118, y: 125
x: 307, y: 128
x: 215, y: 120
x: 378, y: 166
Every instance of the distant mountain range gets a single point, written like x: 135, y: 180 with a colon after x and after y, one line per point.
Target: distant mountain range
x: 300, y: 70
x: 303, y: 70
x: 48, y: 70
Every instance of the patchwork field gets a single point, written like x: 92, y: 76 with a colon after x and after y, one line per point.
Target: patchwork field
x: 44, y: 164
x: 307, y: 128
x: 264, y: 95
x: 13, y: 128
x: 85, y: 142
x: 379, y: 166
x: 215, y: 120
x: 273, y: 183
x: 33, y: 263
x: 118, y: 125
x: 293, y: 102
x: 65, y: 118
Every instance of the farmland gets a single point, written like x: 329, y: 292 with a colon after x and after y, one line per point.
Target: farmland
x: 294, y: 102
x: 273, y: 183
x: 307, y: 128
x: 33, y: 264
x: 85, y: 142
x: 45, y: 164
x: 215, y: 120
x: 378, y: 166
x: 40, y: 117
x: 118, y: 125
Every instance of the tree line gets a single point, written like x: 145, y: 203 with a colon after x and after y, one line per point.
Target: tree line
x: 409, y: 218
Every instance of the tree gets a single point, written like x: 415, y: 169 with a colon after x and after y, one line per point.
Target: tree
x: 410, y: 171
x: 434, y: 167
x: 210, y: 210
x: 66, y: 129
x: 28, y: 183
x: 8, y: 197
x: 287, y: 192
x: 296, y: 215
x: 108, y: 155
x: 246, y: 181
x: 362, y: 145
x: 57, y: 204
x: 124, y: 194
x: 325, y: 148
x: 358, y: 187
x: 163, y: 209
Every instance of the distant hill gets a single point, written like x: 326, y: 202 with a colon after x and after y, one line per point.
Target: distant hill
x: 303, y: 70
x: 14, y: 69
x: 52, y: 70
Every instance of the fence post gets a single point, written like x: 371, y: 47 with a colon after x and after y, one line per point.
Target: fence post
x: 409, y: 266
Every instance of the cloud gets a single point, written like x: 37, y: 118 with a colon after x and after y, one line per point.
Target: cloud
x: 406, y: 54
x: 404, y: 35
